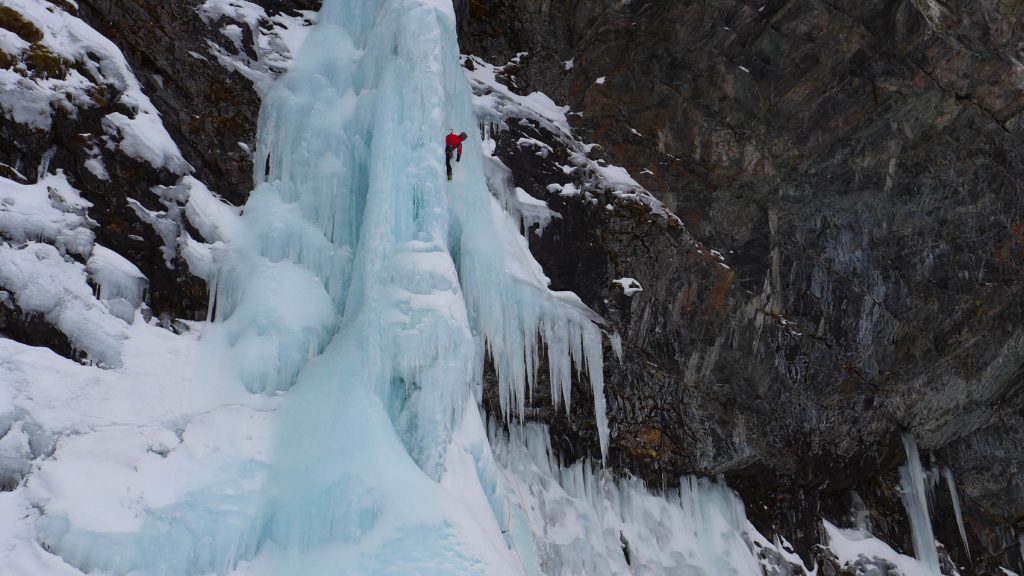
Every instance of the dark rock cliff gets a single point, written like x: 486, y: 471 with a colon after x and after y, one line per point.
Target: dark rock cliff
x: 858, y: 167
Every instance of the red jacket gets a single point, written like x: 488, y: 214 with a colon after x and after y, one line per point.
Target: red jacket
x: 454, y: 141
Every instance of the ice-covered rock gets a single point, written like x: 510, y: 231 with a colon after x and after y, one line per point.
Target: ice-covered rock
x: 115, y: 277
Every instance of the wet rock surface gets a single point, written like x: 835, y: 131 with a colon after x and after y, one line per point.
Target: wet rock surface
x: 857, y: 168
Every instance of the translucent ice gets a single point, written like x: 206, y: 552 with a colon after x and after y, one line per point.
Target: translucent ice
x: 915, y: 500
x: 586, y: 522
x: 954, y: 496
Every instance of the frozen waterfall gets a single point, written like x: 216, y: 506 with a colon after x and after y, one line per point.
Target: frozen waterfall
x: 353, y: 219
x: 353, y: 311
x: 373, y: 288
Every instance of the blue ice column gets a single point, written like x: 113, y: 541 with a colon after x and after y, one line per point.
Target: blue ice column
x: 423, y: 278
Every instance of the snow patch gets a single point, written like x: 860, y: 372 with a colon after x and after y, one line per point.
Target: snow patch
x: 51, y: 210
x: 116, y: 279
x: 43, y: 282
x: 494, y: 102
x: 629, y: 285
x: 145, y: 138
x: 853, y: 547
x: 277, y: 39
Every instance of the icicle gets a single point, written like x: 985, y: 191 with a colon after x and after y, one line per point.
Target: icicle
x: 581, y: 516
x: 955, y: 497
x: 916, y: 502
x: 861, y: 518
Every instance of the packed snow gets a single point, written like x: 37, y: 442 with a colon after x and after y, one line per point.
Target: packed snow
x: 115, y: 452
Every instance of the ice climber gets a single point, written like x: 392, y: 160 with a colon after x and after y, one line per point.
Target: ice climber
x: 452, y: 143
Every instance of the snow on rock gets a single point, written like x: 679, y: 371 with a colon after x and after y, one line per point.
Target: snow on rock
x: 861, y: 552
x: 617, y: 177
x: 533, y: 211
x: 497, y: 101
x: 188, y: 199
x: 119, y: 283
x: 529, y: 211
x: 218, y: 222
x: 277, y: 38
x: 542, y: 149
x: 145, y: 138
x: 44, y: 282
x: 494, y: 102
x: 214, y: 218
x: 28, y: 97
x: 96, y: 166
x: 629, y: 286
x: 51, y: 210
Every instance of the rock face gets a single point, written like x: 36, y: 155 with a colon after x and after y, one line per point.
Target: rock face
x: 857, y: 168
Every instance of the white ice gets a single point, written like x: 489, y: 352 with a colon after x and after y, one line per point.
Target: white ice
x: 586, y: 522
x: 954, y: 496
x: 915, y: 500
